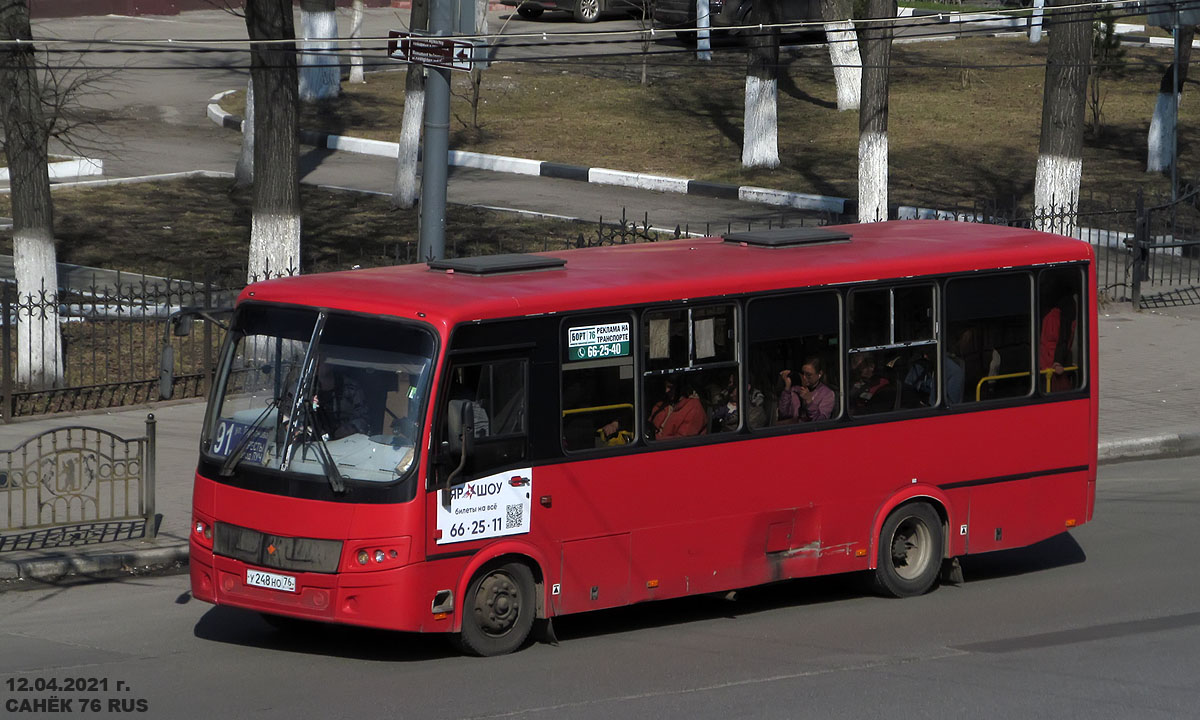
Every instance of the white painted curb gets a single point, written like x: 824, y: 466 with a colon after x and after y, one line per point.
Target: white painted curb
x: 73, y: 168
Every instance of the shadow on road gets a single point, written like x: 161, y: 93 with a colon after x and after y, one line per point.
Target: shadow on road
x: 1058, y: 551
x: 248, y: 629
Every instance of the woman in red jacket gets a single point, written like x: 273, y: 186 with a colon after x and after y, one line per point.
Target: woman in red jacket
x: 679, y: 414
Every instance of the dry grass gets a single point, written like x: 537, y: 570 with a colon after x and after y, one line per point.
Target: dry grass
x: 958, y: 133
x: 198, y: 227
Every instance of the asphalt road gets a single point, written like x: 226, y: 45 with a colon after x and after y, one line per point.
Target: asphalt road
x: 1101, y: 623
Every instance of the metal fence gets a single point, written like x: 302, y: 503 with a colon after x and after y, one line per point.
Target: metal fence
x: 77, y: 486
x: 112, y: 330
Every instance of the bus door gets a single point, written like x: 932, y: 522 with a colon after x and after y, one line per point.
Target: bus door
x: 481, y: 477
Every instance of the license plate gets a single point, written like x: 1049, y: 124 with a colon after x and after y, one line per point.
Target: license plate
x: 271, y: 581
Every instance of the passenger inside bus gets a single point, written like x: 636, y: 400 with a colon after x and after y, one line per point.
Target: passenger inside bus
x: 679, y: 413
x: 806, y: 398
x: 869, y: 390
x: 340, y: 405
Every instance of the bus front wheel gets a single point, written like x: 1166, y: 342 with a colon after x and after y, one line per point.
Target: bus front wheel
x: 910, y: 551
x: 498, y: 610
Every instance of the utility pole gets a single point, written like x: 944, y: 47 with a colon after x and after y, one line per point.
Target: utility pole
x: 436, y: 143
x: 703, y: 45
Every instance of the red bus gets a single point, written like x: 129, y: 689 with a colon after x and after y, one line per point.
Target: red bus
x: 472, y: 445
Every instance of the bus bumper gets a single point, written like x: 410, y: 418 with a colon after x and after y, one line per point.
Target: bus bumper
x: 382, y: 599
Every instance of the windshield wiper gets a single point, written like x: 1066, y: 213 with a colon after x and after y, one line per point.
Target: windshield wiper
x: 323, y: 455
x: 235, y: 457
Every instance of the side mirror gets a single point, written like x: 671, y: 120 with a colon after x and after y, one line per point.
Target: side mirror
x: 466, y: 426
x: 183, y: 325
x: 166, y: 373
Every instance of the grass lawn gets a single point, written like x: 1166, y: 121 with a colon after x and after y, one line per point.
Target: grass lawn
x: 964, y: 120
x: 196, y: 227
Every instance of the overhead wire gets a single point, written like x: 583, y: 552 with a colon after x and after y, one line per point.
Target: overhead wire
x: 916, y: 29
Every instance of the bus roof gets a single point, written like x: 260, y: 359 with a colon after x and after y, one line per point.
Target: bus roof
x: 674, y: 270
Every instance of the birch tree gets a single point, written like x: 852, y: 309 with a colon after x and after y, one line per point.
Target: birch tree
x: 26, y: 135
x: 275, y: 227
x: 843, y: 51
x: 873, y: 114
x: 320, y: 73
x: 1160, y: 139
x: 760, y: 144
x: 356, y: 58
x: 1064, y: 102
x: 243, y: 172
x: 405, y: 191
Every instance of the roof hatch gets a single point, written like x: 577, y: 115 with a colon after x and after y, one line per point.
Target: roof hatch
x: 497, y: 264
x: 788, y: 237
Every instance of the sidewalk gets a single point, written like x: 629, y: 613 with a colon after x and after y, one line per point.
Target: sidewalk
x: 1146, y: 411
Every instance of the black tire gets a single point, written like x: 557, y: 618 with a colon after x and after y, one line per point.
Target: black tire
x: 498, y: 610
x: 685, y: 37
x: 530, y: 12
x: 910, y: 551
x: 587, y: 11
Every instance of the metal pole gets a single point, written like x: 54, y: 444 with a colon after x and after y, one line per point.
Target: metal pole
x: 148, y: 478
x: 1175, y: 106
x: 703, y: 47
x: 10, y: 320
x: 436, y: 141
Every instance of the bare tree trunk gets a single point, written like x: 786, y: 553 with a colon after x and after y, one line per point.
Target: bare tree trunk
x: 1064, y: 100
x: 405, y: 192
x: 356, y: 58
x: 843, y: 51
x: 1166, y: 108
x: 760, y: 144
x: 873, y: 116
x: 275, y: 228
x: 26, y: 133
x: 243, y: 172
x: 320, y: 72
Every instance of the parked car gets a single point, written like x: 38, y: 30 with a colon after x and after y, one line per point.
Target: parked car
x: 671, y: 14
x: 585, y: 11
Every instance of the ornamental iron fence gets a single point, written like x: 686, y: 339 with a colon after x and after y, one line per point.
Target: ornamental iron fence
x: 75, y: 486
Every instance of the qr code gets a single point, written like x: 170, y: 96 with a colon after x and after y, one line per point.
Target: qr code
x: 514, y: 513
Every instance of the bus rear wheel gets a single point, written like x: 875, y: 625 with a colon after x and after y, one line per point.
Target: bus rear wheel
x: 498, y: 610
x: 910, y: 551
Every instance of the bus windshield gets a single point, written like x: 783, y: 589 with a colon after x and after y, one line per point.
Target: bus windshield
x: 320, y: 393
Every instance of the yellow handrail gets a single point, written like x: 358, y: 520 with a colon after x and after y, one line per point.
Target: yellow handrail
x: 598, y: 408
x: 1047, y: 372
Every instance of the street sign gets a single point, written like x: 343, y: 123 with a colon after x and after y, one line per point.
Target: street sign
x: 442, y: 52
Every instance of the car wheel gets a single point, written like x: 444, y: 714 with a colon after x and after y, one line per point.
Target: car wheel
x: 498, y: 610
x: 910, y: 551
x: 685, y: 37
x: 530, y: 12
x: 587, y: 11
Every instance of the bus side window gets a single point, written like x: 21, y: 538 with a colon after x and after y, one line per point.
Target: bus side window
x: 985, y: 354
x: 691, y: 383
x: 597, y: 382
x: 1060, y: 326
x: 788, y: 334
x: 499, y: 391
x: 893, y: 348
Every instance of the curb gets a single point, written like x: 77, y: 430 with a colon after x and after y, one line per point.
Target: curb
x: 545, y: 168
x: 1167, y: 445
x: 75, y: 167
x: 162, y: 560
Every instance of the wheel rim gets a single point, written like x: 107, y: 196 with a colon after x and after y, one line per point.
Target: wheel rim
x: 912, y: 548
x: 497, y: 604
x: 589, y: 9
